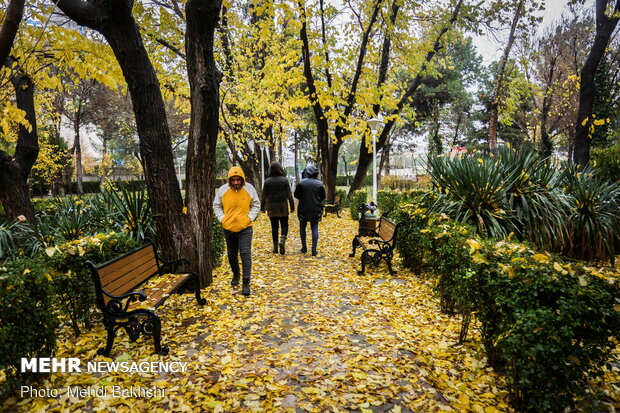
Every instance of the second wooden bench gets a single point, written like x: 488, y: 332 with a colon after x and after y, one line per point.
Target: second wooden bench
x: 379, y: 246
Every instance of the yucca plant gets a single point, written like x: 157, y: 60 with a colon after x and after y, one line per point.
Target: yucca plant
x: 594, y: 221
x: 473, y: 190
x: 535, y: 198
x: 73, y: 220
x: 8, y: 239
x: 134, y: 213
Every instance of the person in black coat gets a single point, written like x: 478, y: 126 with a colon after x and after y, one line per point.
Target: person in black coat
x: 276, y: 193
x: 311, y: 194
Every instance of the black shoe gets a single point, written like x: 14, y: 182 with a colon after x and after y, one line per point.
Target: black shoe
x: 314, y: 253
x: 246, y: 288
x: 282, y: 249
x: 235, y: 280
x: 275, y: 248
x: 303, y: 250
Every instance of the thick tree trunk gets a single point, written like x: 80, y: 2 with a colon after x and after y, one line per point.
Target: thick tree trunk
x: 14, y: 170
x: 118, y: 26
x: 204, y: 80
x: 605, y: 27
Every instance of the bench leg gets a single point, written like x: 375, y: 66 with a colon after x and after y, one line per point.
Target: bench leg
x: 152, y: 327
x: 111, y: 329
x: 389, y: 264
x: 196, y: 282
x: 355, y: 244
x: 364, y: 258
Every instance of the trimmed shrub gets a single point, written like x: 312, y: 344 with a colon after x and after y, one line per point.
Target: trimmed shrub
x: 357, y: 198
x: 73, y: 286
x: 606, y: 161
x: 27, y: 317
x: 393, y: 183
x: 550, y: 325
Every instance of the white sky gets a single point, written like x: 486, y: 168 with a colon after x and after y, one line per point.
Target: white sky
x: 492, y: 50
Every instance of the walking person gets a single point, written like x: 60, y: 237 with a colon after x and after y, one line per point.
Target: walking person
x: 275, y: 199
x: 236, y: 205
x: 311, y: 194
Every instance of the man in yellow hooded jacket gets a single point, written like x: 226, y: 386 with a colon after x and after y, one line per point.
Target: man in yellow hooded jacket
x: 236, y: 206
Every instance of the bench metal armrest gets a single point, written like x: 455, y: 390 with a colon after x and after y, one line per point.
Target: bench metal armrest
x: 172, y: 267
x: 116, y: 307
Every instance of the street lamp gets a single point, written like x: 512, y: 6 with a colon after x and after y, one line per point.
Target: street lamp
x: 261, y: 146
x: 374, y: 124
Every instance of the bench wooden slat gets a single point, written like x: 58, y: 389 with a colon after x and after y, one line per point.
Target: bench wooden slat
x: 158, y: 293
x: 110, y: 272
x: 127, y: 281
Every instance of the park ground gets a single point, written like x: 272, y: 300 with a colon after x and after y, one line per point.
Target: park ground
x: 313, y: 337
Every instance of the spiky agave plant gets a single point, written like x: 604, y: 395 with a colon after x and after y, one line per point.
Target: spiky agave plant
x: 594, y: 220
x: 534, y: 196
x: 134, y: 213
x: 473, y: 190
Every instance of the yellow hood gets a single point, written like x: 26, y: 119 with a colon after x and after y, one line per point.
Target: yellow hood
x: 236, y: 171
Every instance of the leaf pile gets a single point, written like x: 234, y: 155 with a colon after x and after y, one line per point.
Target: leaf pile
x: 312, y: 337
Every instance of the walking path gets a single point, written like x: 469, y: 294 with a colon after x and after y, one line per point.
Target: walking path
x: 312, y: 337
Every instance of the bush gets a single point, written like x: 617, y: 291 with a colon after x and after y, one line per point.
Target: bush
x: 27, y: 319
x: 357, y: 198
x: 389, y: 201
x: 549, y: 324
x: 89, y: 187
x: 393, y: 183
x: 606, y: 161
x: 72, y: 282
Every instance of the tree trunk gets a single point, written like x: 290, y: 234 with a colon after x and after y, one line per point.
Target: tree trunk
x: 12, y: 18
x: 14, y: 170
x: 605, y: 27
x: 77, y: 147
x: 204, y: 80
x: 493, y: 113
x: 116, y: 23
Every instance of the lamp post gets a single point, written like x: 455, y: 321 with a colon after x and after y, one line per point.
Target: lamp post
x: 261, y: 145
x: 374, y: 124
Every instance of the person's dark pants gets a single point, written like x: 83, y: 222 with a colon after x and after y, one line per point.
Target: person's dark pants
x: 240, y: 243
x: 314, y: 227
x: 276, y: 223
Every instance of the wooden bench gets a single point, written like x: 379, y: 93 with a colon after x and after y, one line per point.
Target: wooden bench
x: 129, y: 287
x: 380, y: 245
x: 333, y: 207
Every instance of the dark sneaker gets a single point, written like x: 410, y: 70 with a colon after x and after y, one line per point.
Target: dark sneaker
x: 246, y: 289
x: 275, y: 248
x: 303, y: 250
x: 235, y: 281
x: 314, y: 253
x: 282, y: 249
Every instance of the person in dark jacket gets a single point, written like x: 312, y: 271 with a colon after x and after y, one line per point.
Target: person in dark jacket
x: 311, y: 194
x: 275, y: 199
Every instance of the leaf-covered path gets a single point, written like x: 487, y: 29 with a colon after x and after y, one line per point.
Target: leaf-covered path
x: 312, y: 337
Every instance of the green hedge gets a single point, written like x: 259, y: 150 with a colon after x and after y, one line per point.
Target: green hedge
x: 607, y: 162
x: 73, y: 286
x: 549, y: 324
x: 357, y: 198
x: 27, y: 317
